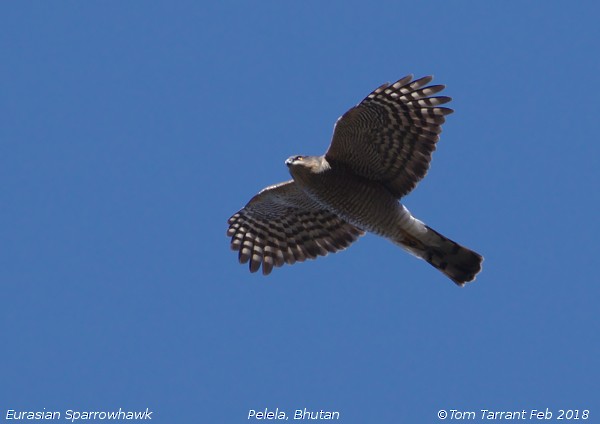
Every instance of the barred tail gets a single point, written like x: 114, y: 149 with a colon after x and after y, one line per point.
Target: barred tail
x: 460, y: 264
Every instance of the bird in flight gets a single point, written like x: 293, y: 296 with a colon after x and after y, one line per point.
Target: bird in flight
x: 380, y: 150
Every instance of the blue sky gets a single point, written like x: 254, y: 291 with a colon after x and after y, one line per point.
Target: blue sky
x: 131, y: 131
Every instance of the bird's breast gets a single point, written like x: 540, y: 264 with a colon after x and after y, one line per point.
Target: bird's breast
x: 361, y: 202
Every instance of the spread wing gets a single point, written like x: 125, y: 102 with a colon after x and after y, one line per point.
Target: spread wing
x: 282, y: 225
x: 391, y: 134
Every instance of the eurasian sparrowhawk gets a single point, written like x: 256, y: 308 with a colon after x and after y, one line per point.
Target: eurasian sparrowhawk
x: 380, y: 150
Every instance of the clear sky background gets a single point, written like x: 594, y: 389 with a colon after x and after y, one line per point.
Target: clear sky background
x: 131, y: 131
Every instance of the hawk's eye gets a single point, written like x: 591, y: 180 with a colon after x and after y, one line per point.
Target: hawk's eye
x: 299, y: 158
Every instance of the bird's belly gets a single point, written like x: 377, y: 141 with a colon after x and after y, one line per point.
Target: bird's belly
x: 363, y: 203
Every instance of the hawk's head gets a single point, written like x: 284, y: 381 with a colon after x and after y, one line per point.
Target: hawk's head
x: 303, y: 164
